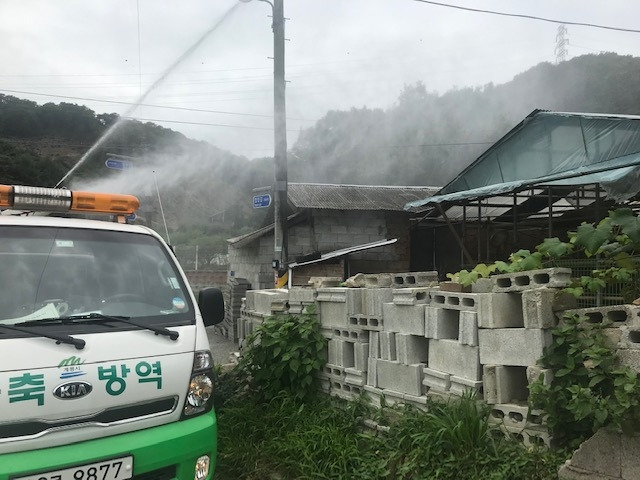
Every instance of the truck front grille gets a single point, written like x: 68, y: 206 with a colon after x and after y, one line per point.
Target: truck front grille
x: 35, y: 428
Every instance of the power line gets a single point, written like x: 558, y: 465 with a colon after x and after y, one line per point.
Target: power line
x: 146, y: 105
x: 199, y: 123
x: 530, y: 17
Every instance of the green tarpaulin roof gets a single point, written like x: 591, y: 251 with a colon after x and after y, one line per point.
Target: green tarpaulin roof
x: 553, y: 148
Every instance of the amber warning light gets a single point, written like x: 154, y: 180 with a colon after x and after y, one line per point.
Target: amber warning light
x: 21, y: 197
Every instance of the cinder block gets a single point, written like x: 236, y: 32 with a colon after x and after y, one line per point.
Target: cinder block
x: 361, y: 354
x: 412, y: 296
x: 482, y: 285
x: 333, y: 371
x: 374, y: 395
x: 539, y: 306
x: 419, y: 402
x: 352, y: 297
x: 374, y: 345
x: 392, y: 397
x: 302, y: 295
x: 354, y: 376
x: 332, y: 314
x: 388, y: 346
x: 459, y: 386
x: 500, y: 310
x: 442, y: 323
x: 512, y: 346
x: 400, y: 378
x: 454, y: 300
x: 411, y: 349
x: 531, y: 437
x: 630, y: 358
x: 373, y: 298
x: 414, y: 279
x: 366, y: 322
x: 372, y: 372
x: 408, y: 319
x: 515, y: 415
x: 451, y: 357
x: 341, y: 353
x: 378, y: 280
x: 534, y: 373
x: 520, y: 281
x: 344, y: 390
x: 435, y: 380
x: 468, y: 328
x: 616, y: 315
x: 504, y: 384
x: 352, y: 335
x: 267, y: 302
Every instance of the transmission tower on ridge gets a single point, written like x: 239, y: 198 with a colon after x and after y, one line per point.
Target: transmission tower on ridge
x: 562, y: 41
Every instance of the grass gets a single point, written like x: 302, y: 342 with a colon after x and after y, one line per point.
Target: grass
x: 324, y: 439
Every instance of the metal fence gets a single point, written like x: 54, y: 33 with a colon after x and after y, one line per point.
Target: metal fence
x: 195, y: 257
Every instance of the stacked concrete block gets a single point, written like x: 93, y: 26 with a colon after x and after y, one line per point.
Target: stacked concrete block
x: 407, y: 319
x: 268, y: 302
x: 396, y: 377
x: 336, y: 305
x: 411, y: 349
x: 614, y: 315
x: 300, y: 298
x: 233, y: 295
x: 412, y: 296
x: 435, y: 380
x: 454, y: 358
x: 378, y: 280
x: 340, y: 311
x: 540, y: 306
x: 451, y: 324
x: 512, y: 346
x: 500, y: 310
x: 414, y: 279
x: 520, y: 281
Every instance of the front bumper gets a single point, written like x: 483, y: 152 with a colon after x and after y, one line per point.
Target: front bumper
x: 177, y: 444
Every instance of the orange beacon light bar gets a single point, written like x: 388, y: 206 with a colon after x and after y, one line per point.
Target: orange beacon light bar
x: 21, y: 197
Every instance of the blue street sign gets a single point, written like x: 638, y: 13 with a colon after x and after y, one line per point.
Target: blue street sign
x: 117, y: 164
x: 262, y: 201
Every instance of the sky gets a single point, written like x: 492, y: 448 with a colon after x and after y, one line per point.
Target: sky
x: 209, y: 67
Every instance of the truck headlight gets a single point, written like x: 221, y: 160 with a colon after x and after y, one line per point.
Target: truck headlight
x: 200, y: 386
x: 198, y: 395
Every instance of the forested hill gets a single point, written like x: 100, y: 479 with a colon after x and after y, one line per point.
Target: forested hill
x: 426, y: 138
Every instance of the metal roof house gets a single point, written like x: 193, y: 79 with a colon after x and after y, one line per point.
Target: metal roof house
x: 334, y: 230
x: 549, y: 173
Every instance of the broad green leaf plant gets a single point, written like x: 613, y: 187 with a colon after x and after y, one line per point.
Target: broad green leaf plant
x: 284, y: 354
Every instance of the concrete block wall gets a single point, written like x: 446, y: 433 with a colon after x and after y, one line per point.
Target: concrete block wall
x: 406, y: 342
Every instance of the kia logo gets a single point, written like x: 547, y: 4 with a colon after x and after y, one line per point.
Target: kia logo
x: 71, y: 390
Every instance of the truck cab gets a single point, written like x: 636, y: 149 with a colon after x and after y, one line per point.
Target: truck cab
x: 105, y: 368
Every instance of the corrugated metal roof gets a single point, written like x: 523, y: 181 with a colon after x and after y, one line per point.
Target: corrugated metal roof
x: 355, y: 197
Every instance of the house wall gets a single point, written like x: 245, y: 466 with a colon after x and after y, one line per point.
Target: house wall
x: 325, y: 231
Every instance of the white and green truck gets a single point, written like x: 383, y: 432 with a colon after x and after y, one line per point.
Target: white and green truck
x: 105, y: 367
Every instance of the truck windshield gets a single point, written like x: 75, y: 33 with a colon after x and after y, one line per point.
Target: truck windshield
x: 50, y: 273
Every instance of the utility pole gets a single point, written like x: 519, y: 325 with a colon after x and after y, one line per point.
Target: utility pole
x: 280, y: 260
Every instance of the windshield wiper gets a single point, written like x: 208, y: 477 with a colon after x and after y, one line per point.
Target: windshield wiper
x: 173, y: 335
x: 76, y: 342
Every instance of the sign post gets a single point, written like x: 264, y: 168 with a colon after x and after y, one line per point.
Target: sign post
x: 262, y: 201
x: 117, y: 164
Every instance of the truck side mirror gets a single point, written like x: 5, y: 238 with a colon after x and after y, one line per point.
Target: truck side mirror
x: 211, y: 306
